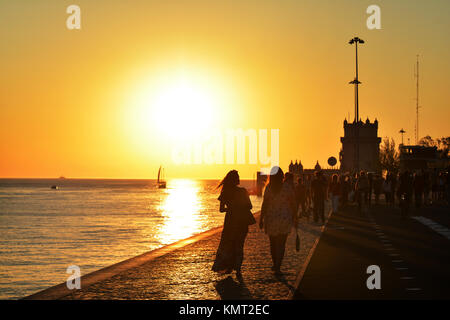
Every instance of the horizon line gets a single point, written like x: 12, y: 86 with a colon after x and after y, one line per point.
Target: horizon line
x: 97, y: 178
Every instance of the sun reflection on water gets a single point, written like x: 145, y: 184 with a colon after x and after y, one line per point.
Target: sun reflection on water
x: 180, y: 210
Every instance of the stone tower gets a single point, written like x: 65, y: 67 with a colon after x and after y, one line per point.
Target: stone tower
x: 360, y: 138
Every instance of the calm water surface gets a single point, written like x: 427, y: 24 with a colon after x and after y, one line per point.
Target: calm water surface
x: 93, y: 224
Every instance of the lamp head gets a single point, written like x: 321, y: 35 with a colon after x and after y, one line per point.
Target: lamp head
x: 356, y: 40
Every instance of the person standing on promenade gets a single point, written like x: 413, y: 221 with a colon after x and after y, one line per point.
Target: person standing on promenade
x: 404, y: 193
x: 319, y: 195
x: 236, y: 204
x: 369, y: 189
x: 346, y: 187
x: 377, y: 181
x: 447, y: 185
x: 335, y: 190
x: 419, y: 186
x: 441, y: 186
x: 362, y: 187
x: 387, y: 189
x: 278, y: 215
x: 352, y: 194
x: 300, y: 193
x: 307, y: 184
x: 289, y: 180
x: 426, y: 187
x: 394, y: 180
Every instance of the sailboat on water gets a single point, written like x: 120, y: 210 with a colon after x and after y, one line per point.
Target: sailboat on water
x: 161, y: 182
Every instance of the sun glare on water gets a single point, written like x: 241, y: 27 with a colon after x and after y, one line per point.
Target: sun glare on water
x: 180, y: 209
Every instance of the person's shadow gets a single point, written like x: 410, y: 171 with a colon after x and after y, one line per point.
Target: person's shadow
x: 229, y: 289
x: 282, y: 278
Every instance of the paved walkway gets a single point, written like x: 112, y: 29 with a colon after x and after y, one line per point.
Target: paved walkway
x: 185, y: 273
x: 414, y: 258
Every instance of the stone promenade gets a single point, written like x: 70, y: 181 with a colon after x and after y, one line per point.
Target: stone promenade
x: 185, y: 273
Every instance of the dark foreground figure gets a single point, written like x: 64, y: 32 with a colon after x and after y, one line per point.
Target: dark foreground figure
x: 278, y: 214
x: 236, y: 204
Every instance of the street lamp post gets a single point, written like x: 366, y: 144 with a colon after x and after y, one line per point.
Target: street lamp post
x: 402, y: 132
x: 356, y: 82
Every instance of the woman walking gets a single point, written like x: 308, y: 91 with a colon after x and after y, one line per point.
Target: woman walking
x: 236, y: 204
x: 278, y: 215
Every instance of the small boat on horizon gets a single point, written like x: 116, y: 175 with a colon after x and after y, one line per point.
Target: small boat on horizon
x: 161, y: 182
x: 54, y: 187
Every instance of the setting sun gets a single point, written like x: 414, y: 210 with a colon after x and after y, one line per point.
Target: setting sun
x: 183, y: 109
x: 175, y: 106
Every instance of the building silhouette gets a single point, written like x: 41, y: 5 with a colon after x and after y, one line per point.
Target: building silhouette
x: 360, y: 147
x: 419, y: 158
x: 298, y: 170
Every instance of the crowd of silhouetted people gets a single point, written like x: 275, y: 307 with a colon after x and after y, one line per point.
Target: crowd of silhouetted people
x: 419, y: 188
x: 288, y: 197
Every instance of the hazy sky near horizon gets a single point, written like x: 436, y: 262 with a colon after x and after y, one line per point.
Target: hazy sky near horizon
x: 99, y: 102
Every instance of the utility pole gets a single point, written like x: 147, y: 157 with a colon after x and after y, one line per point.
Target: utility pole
x: 356, y: 82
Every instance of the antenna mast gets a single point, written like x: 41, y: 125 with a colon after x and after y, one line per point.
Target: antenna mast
x: 416, y: 75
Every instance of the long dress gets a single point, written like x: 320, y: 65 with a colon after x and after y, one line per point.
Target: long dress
x: 238, y: 217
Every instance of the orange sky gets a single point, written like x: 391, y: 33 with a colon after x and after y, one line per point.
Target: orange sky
x: 81, y: 103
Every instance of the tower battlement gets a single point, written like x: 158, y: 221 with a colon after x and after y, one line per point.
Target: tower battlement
x: 362, y: 136
x: 365, y: 129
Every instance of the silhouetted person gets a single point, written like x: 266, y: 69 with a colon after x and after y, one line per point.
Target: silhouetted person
x: 300, y: 194
x: 362, y: 188
x: 235, y: 202
x: 278, y: 215
x: 346, y: 188
x: 419, y: 186
x: 404, y: 193
x: 394, y: 186
x: 369, y: 189
x: 377, y: 183
x: 426, y: 187
x: 319, y: 194
x: 289, y: 180
x: 334, y: 189
x: 441, y: 186
x: 307, y: 183
x: 447, y: 185
x: 387, y: 189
